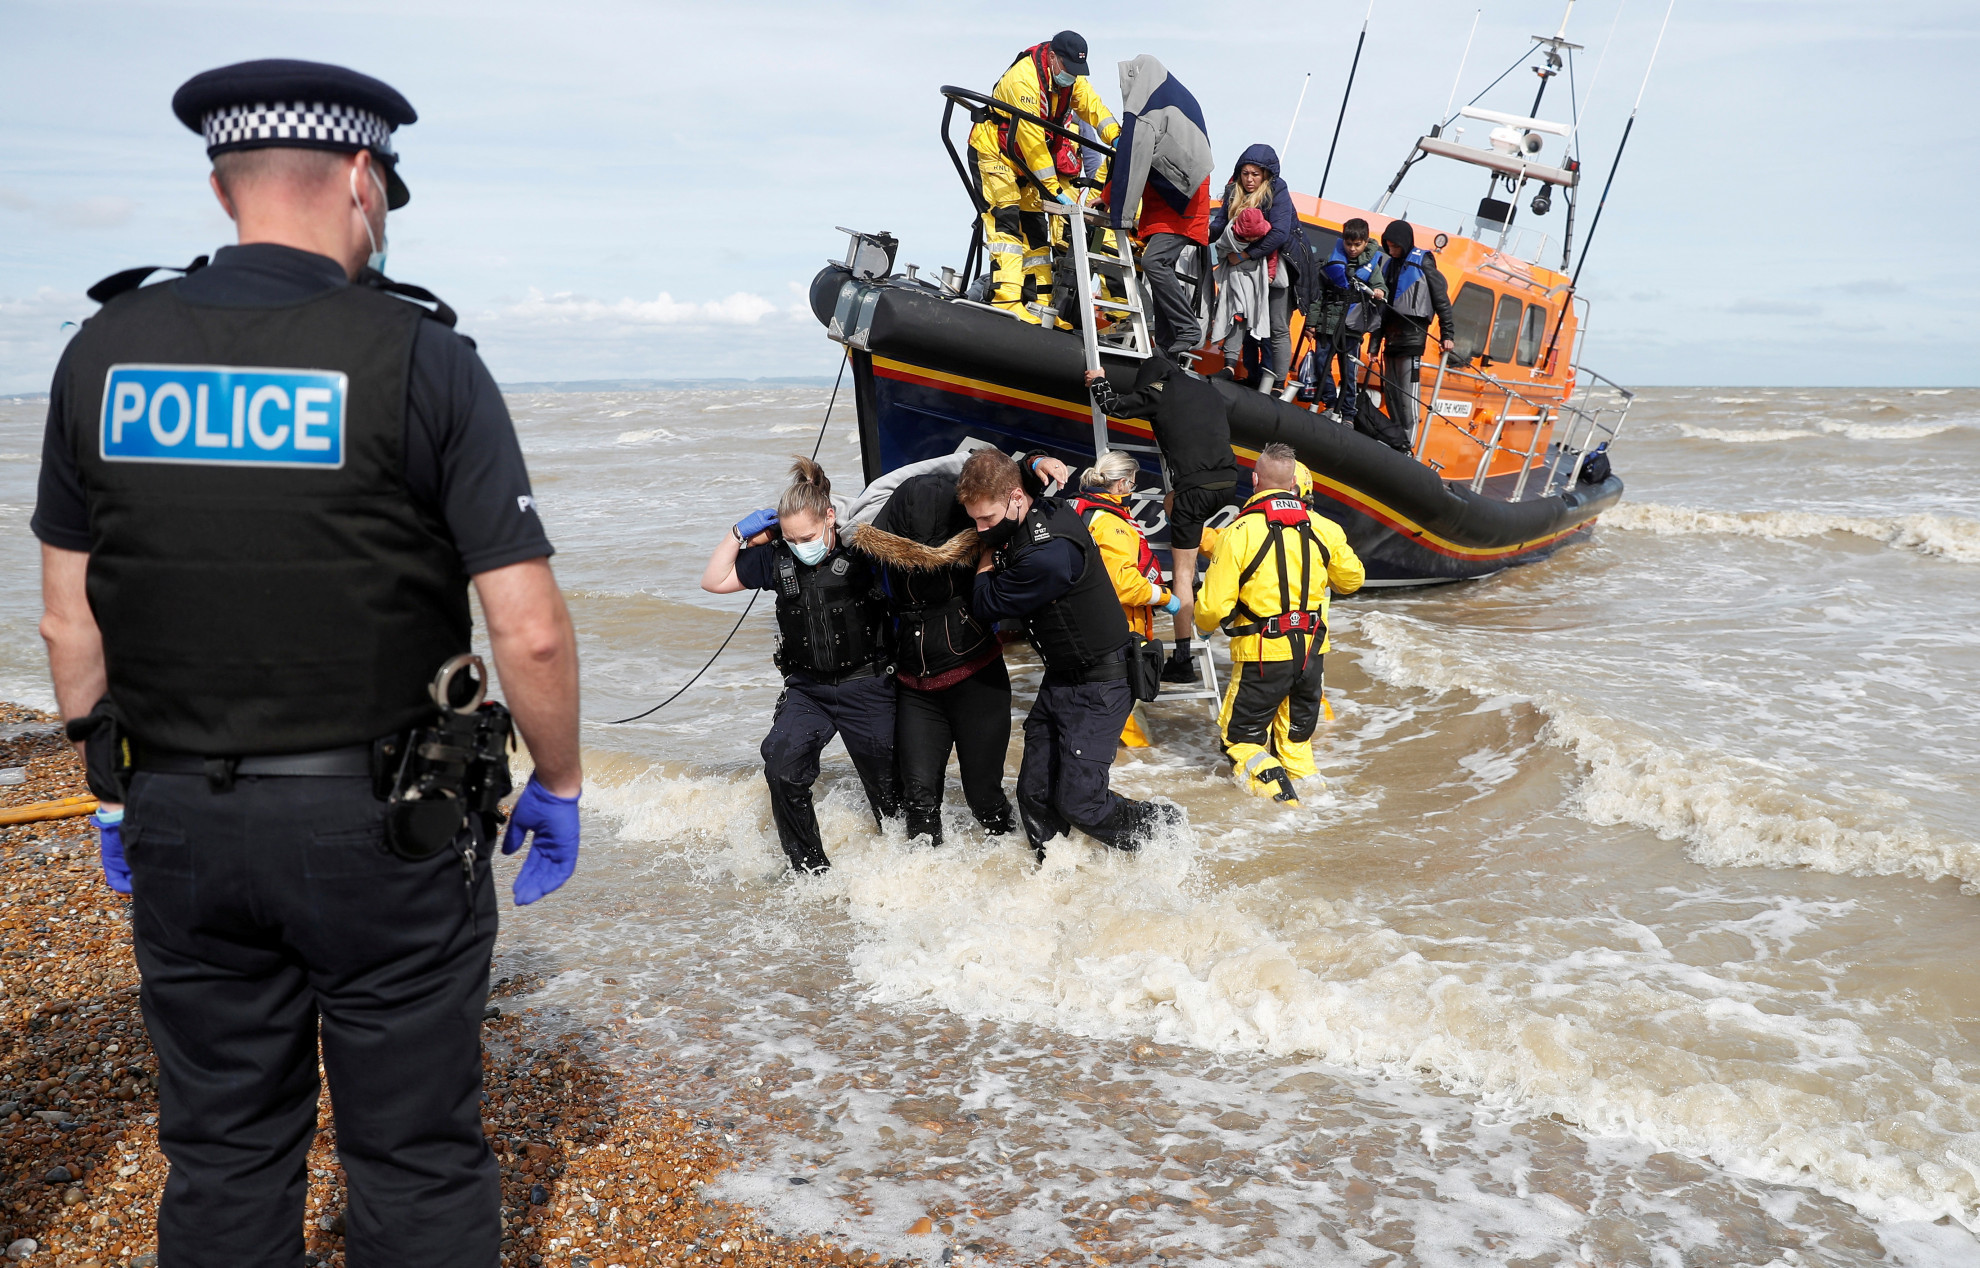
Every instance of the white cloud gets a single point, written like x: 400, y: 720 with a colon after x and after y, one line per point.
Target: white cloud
x: 567, y: 309
x: 84, y: 213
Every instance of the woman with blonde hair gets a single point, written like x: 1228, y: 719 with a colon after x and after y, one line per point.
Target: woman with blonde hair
x: 833, y: 649
x: 1131, y: 563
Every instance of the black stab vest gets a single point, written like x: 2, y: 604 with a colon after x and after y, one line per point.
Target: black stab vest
x: 1085, y: 625
x: 253, y: 609
x: 829, y: 619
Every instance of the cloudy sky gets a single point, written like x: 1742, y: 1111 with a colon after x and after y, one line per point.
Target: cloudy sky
x: 643, y: 190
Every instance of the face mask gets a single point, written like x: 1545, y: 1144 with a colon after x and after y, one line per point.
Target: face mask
x: 1062, y: 80
x: 376, y: 260
x: 1001, y: 532
x: 809, y: 553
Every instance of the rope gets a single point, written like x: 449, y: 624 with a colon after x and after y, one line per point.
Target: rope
x: 818, y: 445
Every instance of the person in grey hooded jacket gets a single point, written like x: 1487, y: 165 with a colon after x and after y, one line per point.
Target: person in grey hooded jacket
x: 1161, y: 186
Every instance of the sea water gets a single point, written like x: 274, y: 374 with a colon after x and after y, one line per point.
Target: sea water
x: 1634, y: 924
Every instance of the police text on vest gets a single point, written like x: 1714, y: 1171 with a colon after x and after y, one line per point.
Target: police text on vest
x: 224, y: 416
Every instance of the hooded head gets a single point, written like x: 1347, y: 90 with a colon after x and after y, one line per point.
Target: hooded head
x: 1264, y: 156
x: 1397, y: 233
x: 1156, y: 368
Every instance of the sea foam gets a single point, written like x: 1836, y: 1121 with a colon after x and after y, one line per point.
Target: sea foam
x: 1950, y: 537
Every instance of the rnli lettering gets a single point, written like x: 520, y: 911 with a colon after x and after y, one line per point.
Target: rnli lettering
x: 224, y: 416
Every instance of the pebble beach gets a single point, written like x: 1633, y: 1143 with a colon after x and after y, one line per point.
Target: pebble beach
x: 598, y: 1168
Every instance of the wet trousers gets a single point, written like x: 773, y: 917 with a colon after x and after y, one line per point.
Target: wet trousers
x: 973, y: 717
x: 1069, y: 741
x: 270, y: 917
x: 1173, y: 319
x: 1017, y: 239
x: 1271, y: 709
x: 809, y: 714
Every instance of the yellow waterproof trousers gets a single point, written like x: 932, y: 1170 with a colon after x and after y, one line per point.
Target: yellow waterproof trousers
x: 1017, y: 238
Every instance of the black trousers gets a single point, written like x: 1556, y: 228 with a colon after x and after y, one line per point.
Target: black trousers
x: 809, y: 714
x: 974, y: 718
x: 1262, y: 685
x: 1343, y: 351
x: 270, y: 916
x: 1173, y: 319
x: 1069, y: 741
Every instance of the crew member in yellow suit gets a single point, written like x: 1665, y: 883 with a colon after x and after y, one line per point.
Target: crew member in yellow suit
x: 1131, y: 562
x: 1268, y: 586
x: 1018, y: 164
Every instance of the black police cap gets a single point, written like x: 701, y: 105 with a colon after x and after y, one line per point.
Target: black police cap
x: 280, y: 101
x: 1071, y: 48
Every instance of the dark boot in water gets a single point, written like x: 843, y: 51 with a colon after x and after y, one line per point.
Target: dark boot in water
x: 1180, y: 667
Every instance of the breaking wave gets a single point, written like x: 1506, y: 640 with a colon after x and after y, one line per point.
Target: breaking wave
x: 1823, y: 427
x: 1943, y: 536
x: 1747, y: 436
x: 1732, y: 812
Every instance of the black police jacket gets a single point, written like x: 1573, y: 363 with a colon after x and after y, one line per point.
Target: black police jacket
x: 1085, y: 625
x: 830, y: 617
x: 262, y: 581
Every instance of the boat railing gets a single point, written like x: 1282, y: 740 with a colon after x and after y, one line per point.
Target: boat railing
x: 1582, y: 422
x: 980, y: 106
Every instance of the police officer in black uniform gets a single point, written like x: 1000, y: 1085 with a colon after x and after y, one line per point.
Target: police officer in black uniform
x: 1043, y: 568
x: 265, y: 487
x: 833, y: 650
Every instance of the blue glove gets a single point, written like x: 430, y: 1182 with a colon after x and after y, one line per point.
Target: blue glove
x: 553, y: 847
x: 110, y: 847
x: 755, y: 522
x: 1174, y: 605
x: 1064, y: 197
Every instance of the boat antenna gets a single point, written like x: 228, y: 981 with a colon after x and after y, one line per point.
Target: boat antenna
x: 1295, y: 119
x: 1345, y: 94
x: 1459, y: 77
x: 1595, y: 222
x: 737, y: 628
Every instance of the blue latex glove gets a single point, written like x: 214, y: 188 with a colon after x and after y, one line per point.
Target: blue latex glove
x: 552, y: 823
x: 1064, y: 197
x: 110, y: 847
x: 1174, y: 605
x: 755, y: 522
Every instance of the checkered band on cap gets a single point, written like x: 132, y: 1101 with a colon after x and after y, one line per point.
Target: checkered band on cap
x: 321, y: 123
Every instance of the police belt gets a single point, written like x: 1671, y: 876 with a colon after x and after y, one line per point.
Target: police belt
x: 1283, y: 625
x: 351, y: 759
x: 870, y: 669
x: 1106, y: 669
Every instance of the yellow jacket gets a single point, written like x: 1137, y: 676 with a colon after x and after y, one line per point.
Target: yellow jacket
x: 1238, y: 545
x: 1120, y: 549
x: 1020, y: 88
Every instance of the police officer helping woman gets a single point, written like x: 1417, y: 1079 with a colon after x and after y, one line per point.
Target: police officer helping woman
x: 833, y: 649
x: 1040, y: 566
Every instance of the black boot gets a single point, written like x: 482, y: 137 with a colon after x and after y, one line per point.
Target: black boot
x: 1180, y: 667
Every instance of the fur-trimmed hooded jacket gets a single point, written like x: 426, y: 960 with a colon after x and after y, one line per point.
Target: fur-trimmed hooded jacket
x: 927, y: 549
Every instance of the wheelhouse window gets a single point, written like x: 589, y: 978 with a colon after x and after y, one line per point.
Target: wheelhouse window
x: 1533, y: 334
x: 1505, y: 328
x: 1473, y: 310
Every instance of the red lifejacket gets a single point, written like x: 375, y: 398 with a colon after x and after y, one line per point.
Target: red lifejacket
x: 1058, y: 108
x: 1145, y: 562
x: 1285, y: 513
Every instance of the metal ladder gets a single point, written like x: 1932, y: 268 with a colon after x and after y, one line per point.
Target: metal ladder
x: 1128, y: 336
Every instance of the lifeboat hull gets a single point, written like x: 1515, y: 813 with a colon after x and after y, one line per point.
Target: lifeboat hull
x: 932, y: 375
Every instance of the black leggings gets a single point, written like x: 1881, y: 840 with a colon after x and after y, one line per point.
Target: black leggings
x: 973, y: 717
